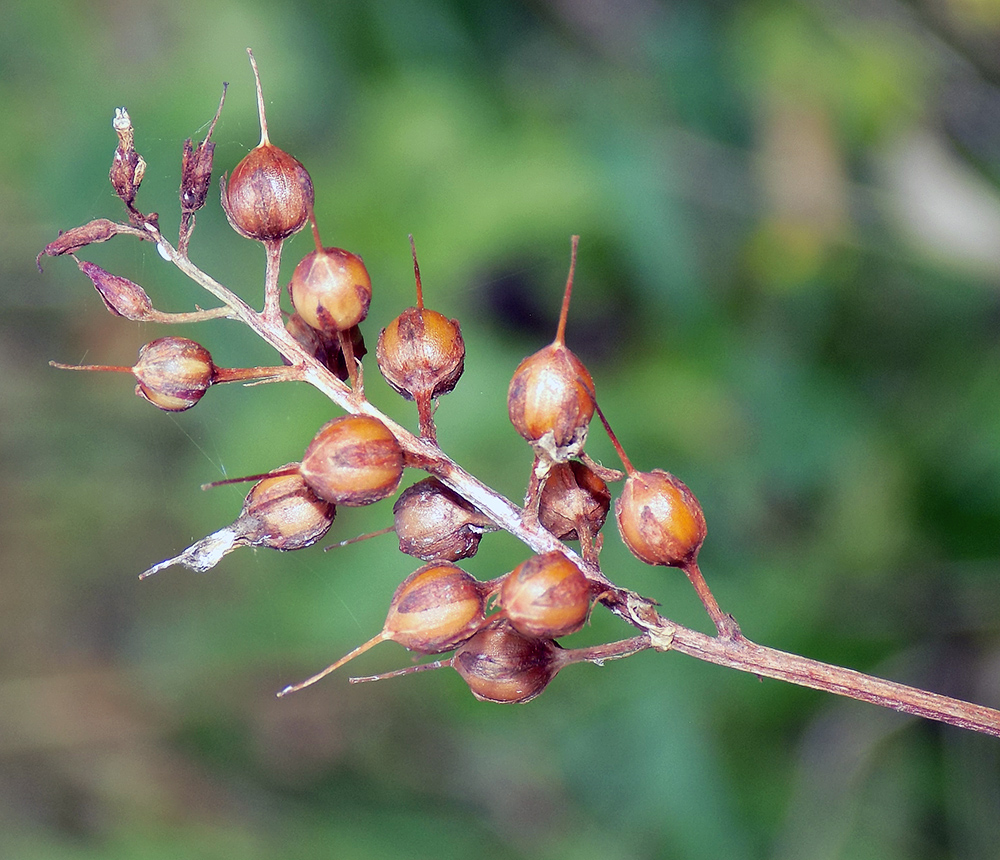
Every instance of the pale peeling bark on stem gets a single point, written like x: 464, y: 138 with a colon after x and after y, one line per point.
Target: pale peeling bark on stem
x: 734, y: 650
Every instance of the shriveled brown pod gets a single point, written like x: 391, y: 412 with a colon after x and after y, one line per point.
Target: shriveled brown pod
x: 574, y: 498
x: 550, y: 400
x: 421, y: 354
x: 325, y: 347
x: 269, y: 193
x: 433, y: 610
x: 353, y: 460
x: 434, y: 523
x: 546, y: 597
x: 280, y: 512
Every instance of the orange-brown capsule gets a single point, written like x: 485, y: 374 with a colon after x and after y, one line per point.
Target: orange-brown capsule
x: 331, y: 289
x: 659, y: 519
x: 573, y: 497
x: 433, y: 610
x: 434, y: 523
x: 421, y: 353
x: 173, y: 373
x: 353, y: 460
x: 269, y: 193
x: 550, y: 400
x: 282, y: 513
x: 546, y: 596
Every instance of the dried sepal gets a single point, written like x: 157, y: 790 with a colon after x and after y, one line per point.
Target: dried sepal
x: 196, y: 167
x: 574, y: 499
x: 326, y: 348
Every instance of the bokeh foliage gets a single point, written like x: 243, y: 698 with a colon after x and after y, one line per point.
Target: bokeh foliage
x: 787, y: 294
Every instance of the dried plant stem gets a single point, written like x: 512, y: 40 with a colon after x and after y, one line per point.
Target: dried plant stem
x: 740, y: 653
x: 731, y: 649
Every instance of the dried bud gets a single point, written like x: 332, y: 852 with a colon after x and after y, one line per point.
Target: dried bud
x: 269, y: 194
x: 173, y: 373
x: 71, y: 241
x: 122, y: 297
x: 127, y: 167
x: 353, y: 460
x: 196, y: 167
x: 434, y: 523
x: 331, y: 290
x: 434, y: 609
x: 546, y: 596
x: 659, y: 518
x: 278, y: 513
x: 551, y: 396
x: 573, y: 497
x: 501, y: 665
x: 325, y: 348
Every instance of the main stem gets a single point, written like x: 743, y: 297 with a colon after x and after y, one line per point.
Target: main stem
x: 734, y: 651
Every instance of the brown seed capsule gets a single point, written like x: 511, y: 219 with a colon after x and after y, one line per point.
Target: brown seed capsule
x: 434, y: 609
x: 283, y: 513
x: 269, y: 193
x: 421, y: 354
x: 659, y: 518
x: 573, y: 498
x: 353, y: 460
x: 550, y: 400
x: 279, y: 512
x: 436, y: 524
x: 501, y: 665
x: 331, y: 289
x: 546, y: 596
x: 174, y: 373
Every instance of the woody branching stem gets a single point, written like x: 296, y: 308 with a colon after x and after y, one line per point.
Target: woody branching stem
x: 736, y: 652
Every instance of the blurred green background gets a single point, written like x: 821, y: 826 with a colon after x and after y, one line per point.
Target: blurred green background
x: 788, y: 293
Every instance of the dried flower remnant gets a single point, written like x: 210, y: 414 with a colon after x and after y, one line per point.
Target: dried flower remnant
x: 279, y: 513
